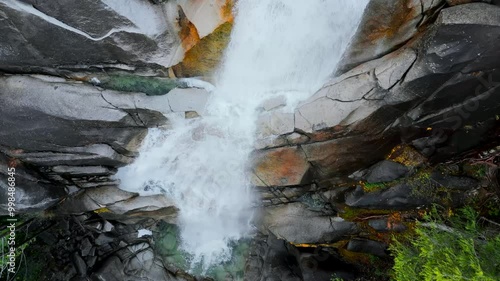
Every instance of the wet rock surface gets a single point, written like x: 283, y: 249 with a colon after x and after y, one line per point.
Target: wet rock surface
x: 419, y: 86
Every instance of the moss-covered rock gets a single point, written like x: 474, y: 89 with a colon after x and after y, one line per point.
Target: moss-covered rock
x: 203, y: 58
x: 151, y: 86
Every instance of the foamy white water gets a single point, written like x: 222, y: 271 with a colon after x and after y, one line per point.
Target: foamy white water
x: 286, y: 47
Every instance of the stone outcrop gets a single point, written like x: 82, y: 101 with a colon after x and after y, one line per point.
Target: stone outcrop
x: 427, y: 90
x: 103, y: 34
x: 137, y: 32
x: 387, y: 25
x: 67, y: 137
x: 419, y: 83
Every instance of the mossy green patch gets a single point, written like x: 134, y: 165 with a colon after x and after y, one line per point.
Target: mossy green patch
x: 152, y: 86
x: 204, y: 57
x: 369, y: 187
x: 477, y: 171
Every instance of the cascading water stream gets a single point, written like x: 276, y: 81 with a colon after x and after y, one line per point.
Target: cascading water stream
x: 278, y: 47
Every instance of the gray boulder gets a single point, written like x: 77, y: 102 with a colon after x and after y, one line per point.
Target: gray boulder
x: 385, y: 171
x: 90, y: 32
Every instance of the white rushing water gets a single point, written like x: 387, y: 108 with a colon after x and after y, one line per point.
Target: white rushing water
x: 285, y: 47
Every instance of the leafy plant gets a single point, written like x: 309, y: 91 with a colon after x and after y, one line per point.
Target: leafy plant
x: 454, y: 248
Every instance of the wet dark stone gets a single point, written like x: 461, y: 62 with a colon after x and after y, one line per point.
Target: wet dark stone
x: 367, y: 246
x: 85, y: 247
x: 111, y: 270
x: 398, y: 197
x: 103, y: 239
x: 48, y: 238
x: 91, y: 261
x: 385, y: 171
x: 383, y: 225
x: 79, y: 264
x: 453, y: 182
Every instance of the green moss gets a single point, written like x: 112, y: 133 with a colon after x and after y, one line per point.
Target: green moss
x: 369, y: 187
x: 204, y: 57
x: 477, y: 171
x: 152, y: 86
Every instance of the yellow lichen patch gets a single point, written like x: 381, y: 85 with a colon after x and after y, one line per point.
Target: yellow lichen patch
x: 102, y: 210
x: 324, y: 245
x: 406, y: 155
x: 203, y: 58
x: 188, y: 32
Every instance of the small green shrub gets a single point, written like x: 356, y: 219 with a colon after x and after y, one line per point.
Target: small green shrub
x: 451, y: 249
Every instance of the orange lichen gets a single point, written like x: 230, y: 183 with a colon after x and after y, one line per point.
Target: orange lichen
x: 204, y: 57
x: 392, y: 21
x: 284, y: 166
x: 393, y: 219
x: 188, y: 32
x: 227, y: 11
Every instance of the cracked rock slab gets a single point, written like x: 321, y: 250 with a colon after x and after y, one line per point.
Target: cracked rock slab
x: 340, y: 102
x: 385, y: 25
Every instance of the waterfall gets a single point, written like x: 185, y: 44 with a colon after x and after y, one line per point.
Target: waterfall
x: 277, y: 47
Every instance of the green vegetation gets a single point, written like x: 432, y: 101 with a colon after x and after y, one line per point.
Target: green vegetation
x: 452, y: 248
x: 152, y: 86
x: 374, y: 186
x: 23, y: 241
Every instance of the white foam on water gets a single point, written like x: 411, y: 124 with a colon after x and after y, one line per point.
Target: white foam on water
x: 277, y: 47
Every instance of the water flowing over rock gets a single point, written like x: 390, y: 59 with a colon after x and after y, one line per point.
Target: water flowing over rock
x: 217, y: 149
x: 318, y: 169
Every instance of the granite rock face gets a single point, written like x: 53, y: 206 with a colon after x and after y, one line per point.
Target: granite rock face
x: 427, y: 90
x: 72, y: 136
x: 95, y: 32
x: 62, y: 36
x: 420, y: 72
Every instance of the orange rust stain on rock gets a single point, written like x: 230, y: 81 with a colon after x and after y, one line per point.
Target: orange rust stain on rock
x: 188, y: 32
x: 398, y: 16
x: 204, y: 57
x: 283, y: 166
x: 226, y: 11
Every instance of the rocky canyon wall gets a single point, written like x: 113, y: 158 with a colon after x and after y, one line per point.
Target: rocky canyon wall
x: 419, y: 83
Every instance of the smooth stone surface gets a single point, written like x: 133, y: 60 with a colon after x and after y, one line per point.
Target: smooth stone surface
x: 295, y: 223
x: 385, y: 171
x: 367, y: 246
x: 94, y: 31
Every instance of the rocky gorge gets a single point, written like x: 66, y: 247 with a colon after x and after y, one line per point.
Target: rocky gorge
x: 411, y: 118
